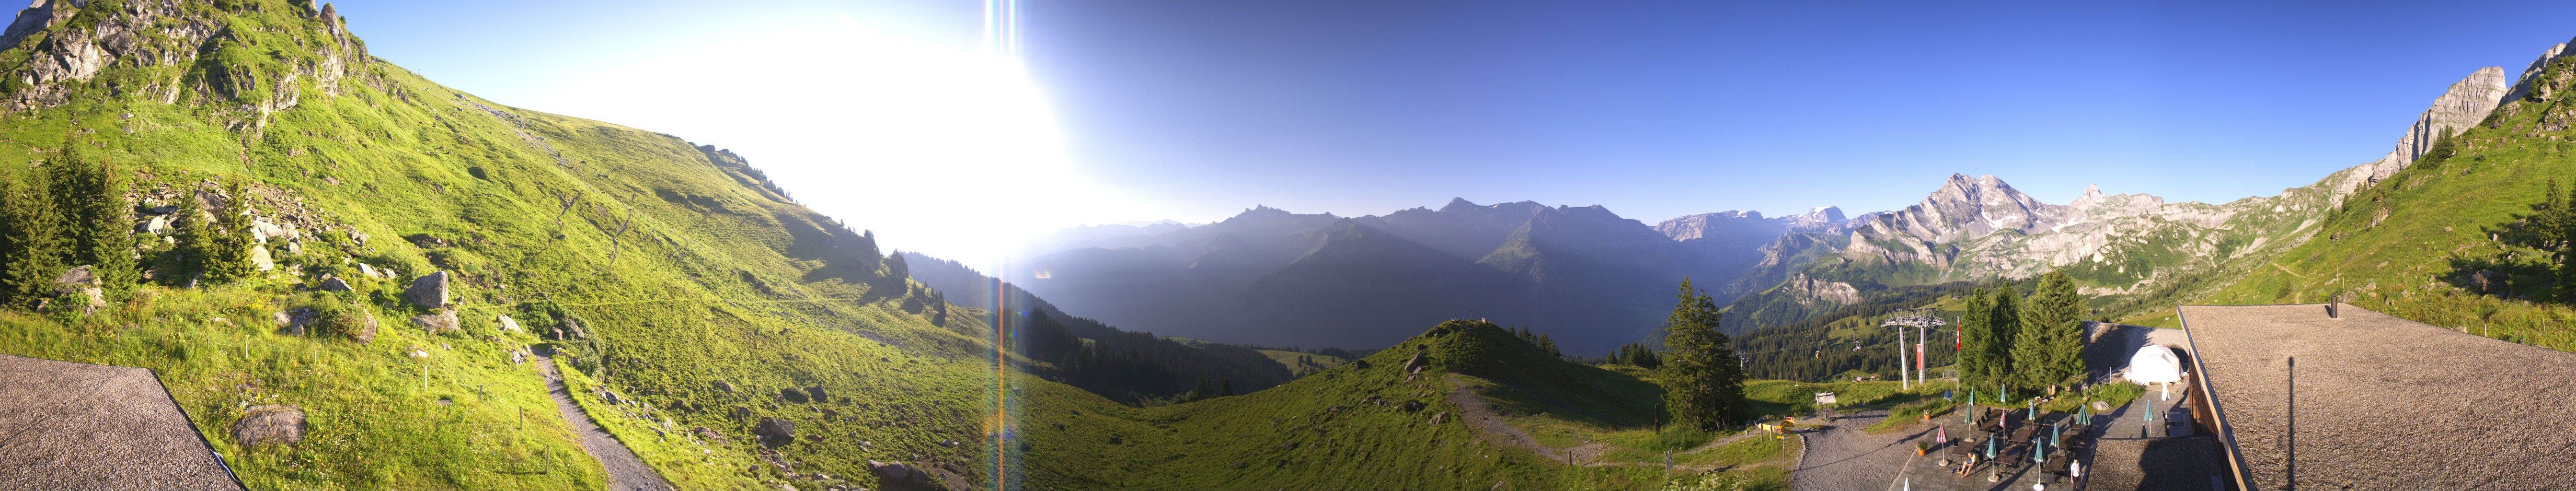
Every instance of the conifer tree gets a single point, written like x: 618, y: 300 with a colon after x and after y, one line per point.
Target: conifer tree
x: 2006, y: 317
x: 35, y: 243
x: 1703, y: 382
x: 91, y: 194
x: 227, y: 241
x: 190, y: 227
x: 1976, y: 336
x: 2049, y: 352
x: 896, y: 270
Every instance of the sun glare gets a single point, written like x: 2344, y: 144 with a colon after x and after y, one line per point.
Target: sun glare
x: 937, y: 145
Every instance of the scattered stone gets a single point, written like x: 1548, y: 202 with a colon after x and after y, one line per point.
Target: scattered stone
x: 792, y: 395
x: 269, y: 423
x: 897, y: 475
x: 774, y: 432
x: 710, y: 435
x: 261, y: 260
x: 154, y: 226
x: 1437, y: 418
x: 725, y: 386
x: 365, y: 333
x: 817, y: 392
x: 440, y: 323
x: 507, y: 324
x: 261, y: 231
x: 611, y: 397
x: 428, y: 291
x: 518, y: 357
x: 1414, y: 365
x: 332, y: 284
x: 365, y: 270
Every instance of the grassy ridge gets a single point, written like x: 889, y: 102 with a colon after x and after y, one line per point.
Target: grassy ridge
x: 1368, y: 424
x: 684, y: 267
x: 2413, y: 244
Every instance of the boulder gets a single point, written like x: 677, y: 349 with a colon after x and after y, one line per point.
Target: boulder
x: 428, y: 291
x: 507, y: 324
x: 294, y: 321
x: 774, y: 432
x: 1438, y: 418
x: 262, y: 230
x: 440, y: 323
x: 367, y: 271
x: 365, y: 330
x: 332, y: 284
x: 261, y: 260
x: 518, y: 357
x: 792, y: 395
x: 1414, y: 365
x: 269, y: 423
x: 725, y: 386
x: 817, y: 393
x: 901, y: 476
x: 155, y: 226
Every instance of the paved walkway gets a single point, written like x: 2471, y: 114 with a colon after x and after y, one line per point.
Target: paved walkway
x: 1843, y: 457
x: 625, y: 470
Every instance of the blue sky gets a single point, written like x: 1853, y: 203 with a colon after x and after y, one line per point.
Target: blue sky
x: 1197, y: 110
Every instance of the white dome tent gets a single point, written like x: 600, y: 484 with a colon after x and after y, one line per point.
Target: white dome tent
x: 2155, y: 365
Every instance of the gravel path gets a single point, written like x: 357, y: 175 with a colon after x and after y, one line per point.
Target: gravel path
x: 625, y: 470
x: 1843, y: 457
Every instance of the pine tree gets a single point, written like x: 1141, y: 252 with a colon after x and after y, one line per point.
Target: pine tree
x: 227, y: 242
x: 2049, y: 351
x: 35, y: 242
x: 1703, y: 382
x: 92, y: 196
x: 1228, y: 388
x: 2006, y: 317
x: 1976, y: 335
x: 896, y: 269
x: 194, y: 235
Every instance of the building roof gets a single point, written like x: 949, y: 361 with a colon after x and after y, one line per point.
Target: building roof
x: 2378, y: 402
x: 70, y: 425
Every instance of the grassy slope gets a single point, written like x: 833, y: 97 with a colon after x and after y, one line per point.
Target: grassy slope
x: 716, y: 280
x: 1325, y: 431
x: 2441, y: 222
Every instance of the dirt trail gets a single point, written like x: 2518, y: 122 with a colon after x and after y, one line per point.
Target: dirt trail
x: 625, y: 470
x: 1480, y: 414
x: 1845, y: 456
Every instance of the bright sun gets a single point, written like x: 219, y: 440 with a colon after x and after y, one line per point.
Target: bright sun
x: 937, y: 146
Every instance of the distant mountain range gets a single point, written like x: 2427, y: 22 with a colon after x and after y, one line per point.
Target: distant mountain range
x: 1594, y: 279
x: 1273, y: 277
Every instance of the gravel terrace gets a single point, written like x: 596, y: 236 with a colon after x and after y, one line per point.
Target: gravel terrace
x: 2385, y: 403
x: 625, y: 470
x: 1842, y: 457
x: 67, y: 425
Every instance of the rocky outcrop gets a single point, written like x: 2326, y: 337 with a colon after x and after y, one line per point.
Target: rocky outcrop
x: 269, y: 423
x: 442, y: 322
x: 2465, y: 104
x: 1813, y: 290
x: 774, y: 432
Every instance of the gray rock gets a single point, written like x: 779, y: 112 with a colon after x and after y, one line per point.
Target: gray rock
x: 269, y: 423
x: 507, y: 324
x: 818, y: 394
x: 1414, y: 365
x: 365, y: 270
x: 518, y: 357
x: 332, y: 284
x: 260, y: 259
x: 428, y: 291
x: 898, y: 475
x: 366, y: 329
x: 440, y: 323
x: 725, y: 386
x: 774, y: 432
x: 155, y: 226
x: 2465, y: 104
